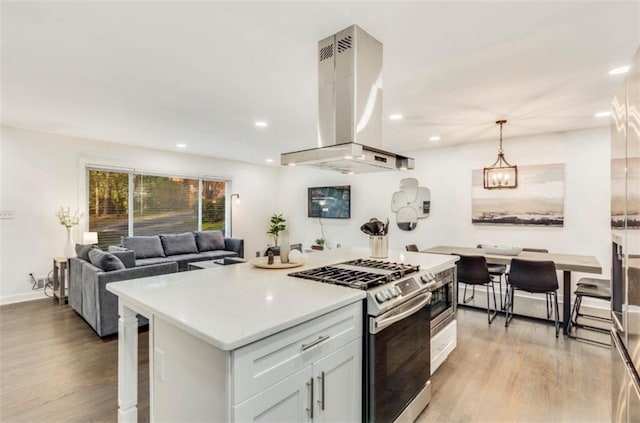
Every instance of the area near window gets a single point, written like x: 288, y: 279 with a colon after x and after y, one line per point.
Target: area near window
x: 123, y: 203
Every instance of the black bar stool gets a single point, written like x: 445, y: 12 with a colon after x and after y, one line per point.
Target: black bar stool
x: 590, y: 288
x: 496, y: 271
x: 472, y: 270
x: 549, y: 299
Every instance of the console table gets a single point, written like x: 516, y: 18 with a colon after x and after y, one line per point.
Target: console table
x: 565, y: 262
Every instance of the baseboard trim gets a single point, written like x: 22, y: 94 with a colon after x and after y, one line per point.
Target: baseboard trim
x: 19, y: 298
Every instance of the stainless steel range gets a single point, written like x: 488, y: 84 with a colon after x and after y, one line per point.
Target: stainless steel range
x: 397, y: 346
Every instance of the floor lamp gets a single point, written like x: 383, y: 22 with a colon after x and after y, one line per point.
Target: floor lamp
x: 237, y: 196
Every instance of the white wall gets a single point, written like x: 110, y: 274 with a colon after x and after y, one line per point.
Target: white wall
x: 40, y: 172
x: 447, y: 173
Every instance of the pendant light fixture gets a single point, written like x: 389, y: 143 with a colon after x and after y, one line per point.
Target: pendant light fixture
x: 500, y: 174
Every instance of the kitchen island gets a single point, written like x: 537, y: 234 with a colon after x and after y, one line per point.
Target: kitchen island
x: 237, y: 342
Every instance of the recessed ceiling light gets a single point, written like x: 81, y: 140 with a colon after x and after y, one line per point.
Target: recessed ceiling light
x: 396, y: 116
x: 292, y: 164
x: 181, y: 145
x: 348, y: 157
x: 434, y: 138
x: 261, y: 124
x: 620, y: 70
x: 603, y: 114
x: 269, y: 160
x: 350, y: 172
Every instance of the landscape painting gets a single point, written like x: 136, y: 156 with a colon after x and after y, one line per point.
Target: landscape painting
x: 538, y: 200
x: 632, y: 193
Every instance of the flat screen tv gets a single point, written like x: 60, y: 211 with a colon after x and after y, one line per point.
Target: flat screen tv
x: 329, y: 202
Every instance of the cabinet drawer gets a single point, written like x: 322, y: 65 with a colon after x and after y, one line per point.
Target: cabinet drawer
x: 259, y: 365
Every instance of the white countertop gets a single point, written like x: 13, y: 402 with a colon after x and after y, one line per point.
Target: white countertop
x: 232, y: 306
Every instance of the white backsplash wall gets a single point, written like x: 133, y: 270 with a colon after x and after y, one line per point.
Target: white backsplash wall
x: 447, y: 173
x: 41, y: 172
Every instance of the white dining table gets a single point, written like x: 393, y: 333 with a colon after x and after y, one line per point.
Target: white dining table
x: 567, y: 263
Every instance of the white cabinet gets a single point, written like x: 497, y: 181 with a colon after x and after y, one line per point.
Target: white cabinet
x: 309, y: 372
x: 328, y: 390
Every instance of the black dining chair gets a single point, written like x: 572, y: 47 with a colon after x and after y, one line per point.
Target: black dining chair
x: 412, y: 247
x: 549, y: 304
x: 534, y: 277
x: 497, y: 271
x: 473, y: 270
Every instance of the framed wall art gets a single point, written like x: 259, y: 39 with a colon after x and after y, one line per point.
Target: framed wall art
x: 538, y: 200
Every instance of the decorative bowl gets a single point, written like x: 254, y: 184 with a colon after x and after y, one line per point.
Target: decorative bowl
x: 501, y: 250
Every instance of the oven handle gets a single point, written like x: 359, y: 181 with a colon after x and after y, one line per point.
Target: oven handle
x: 403, y: 311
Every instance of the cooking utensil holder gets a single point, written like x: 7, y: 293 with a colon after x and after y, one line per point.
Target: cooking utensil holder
x: 378, y: 246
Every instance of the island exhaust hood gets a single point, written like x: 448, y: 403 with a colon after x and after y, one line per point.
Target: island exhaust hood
x: 350, y: 108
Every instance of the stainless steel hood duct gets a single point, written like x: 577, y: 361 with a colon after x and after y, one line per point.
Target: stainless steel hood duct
x: 350, y: 108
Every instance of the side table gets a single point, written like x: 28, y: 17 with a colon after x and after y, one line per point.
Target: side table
x: 60, y: 279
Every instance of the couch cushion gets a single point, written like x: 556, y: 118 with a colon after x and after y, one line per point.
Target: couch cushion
x: 212, y: 255
x: 209, y: 240
x: 178, y: 244
x: 82, y: 250
x: 152, y: 260
x: 105, y: 261
x: 183, y: 260
x: 144, y: 246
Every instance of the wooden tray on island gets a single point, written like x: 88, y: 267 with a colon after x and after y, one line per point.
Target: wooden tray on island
x: 261, y: 262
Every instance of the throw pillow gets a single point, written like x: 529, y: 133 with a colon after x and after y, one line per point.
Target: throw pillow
x: 178, y: 244
x: 209, y: 240
x: 82, y: 251
x: 144, y: 246
x: 105, y: 261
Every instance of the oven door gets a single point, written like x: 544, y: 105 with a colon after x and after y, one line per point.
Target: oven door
x: 443, y: 307
x: 398, y: 362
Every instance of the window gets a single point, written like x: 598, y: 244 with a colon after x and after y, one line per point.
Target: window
x: 124, y: 203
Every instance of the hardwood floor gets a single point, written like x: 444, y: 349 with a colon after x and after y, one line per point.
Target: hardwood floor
x: 522, y: 373
x: 54, y: 368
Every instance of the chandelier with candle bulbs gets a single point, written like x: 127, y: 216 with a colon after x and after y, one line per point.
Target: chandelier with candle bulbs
x: 500, y: 174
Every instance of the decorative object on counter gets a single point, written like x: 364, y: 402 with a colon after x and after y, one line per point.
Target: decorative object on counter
x: 263, y: 263
x: 319, y: 244
x: 500, y: 174
x: 538, y: 201
x: 411, y: 203
x: 296, y: 256
x: 277, y: 225
x: 378, y: 241
x: 501, y: 250
x: 270, y: 258
x: 69, y: 220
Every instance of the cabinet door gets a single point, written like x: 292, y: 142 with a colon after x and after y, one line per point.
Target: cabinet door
x: 338, y: 391
x: 287, y: 401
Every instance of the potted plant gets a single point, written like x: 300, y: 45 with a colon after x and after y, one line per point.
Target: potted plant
x: 277, y: 225
x: 319, y: 245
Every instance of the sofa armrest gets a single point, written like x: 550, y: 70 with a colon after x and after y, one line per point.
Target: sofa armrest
x: 115, y: 248
x: 236, y: 245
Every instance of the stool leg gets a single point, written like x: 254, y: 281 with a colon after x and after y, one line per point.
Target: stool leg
x: 555, y: 300
x: 490, y: 315
x: 465, y: 300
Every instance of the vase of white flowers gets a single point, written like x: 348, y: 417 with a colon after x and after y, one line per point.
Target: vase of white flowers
x: 69, y: 220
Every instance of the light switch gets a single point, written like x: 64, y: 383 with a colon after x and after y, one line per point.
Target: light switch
x: 6, y: 214
x: 158, y: 364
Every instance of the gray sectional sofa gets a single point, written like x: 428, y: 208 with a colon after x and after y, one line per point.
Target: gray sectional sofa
x: 136, y: 257
x: 89, y: 274
x: 182, y: 248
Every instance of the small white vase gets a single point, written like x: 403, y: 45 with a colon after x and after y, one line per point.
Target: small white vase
x: 69, y: 247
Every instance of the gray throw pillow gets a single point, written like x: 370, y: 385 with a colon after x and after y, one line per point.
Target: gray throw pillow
x: 82, y: 251
x: 209, y: 240
x: 178, y: 244
x: 105, y: 261
x: 144, y: 246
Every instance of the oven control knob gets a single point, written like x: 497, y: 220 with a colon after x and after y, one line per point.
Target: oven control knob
x: 424, y: 279
x: 392, y: 292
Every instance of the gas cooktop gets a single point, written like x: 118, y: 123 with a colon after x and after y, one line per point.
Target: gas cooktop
x: 360, y: 273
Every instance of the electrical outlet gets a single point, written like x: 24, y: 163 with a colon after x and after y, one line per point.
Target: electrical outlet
x: 6, y: 214
x: 41, y: 283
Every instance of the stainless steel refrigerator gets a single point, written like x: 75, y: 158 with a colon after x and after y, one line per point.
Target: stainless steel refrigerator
x: 625, y: 224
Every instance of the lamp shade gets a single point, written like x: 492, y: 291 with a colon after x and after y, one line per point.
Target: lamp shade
x: 90, y: 238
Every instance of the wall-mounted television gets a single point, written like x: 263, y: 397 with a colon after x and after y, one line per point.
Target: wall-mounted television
x: 329, y: 202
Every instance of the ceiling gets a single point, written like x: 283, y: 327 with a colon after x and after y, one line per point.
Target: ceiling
x: 155, y: 74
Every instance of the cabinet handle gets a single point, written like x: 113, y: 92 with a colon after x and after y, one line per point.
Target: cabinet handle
x: 310, y: 391
x: 314, y: 343
x: 321, y: 399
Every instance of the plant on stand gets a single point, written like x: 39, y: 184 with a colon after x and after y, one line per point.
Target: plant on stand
x: 277, y: 225
x: 319, y: 244
x: 69, y: 220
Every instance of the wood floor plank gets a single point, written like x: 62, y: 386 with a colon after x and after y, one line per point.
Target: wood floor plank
x: 54, y: 368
